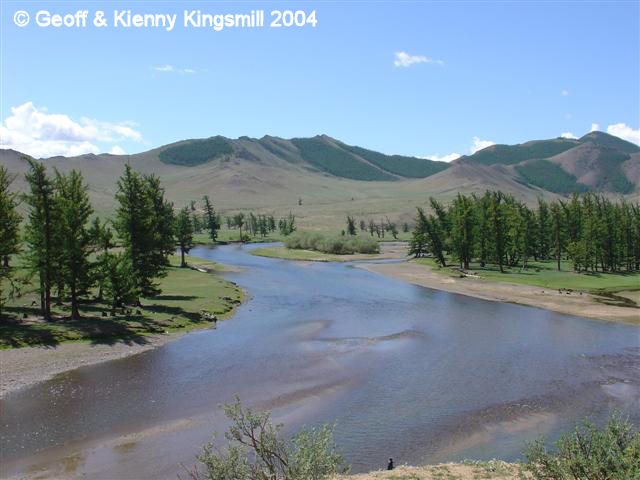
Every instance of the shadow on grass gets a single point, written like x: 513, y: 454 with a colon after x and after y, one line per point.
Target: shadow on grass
x: 174, y: 311
x: 16, y: 331
x: 174, y: 297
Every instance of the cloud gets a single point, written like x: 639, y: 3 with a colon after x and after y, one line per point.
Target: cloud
x: 475, y: 146
x: 625, y: 132
x: 480, y: 144
x: 117, y: 150
x: 594, y: 127
x: 172, y: 69
x: 403, y: 59
x: 564, y: 93
x: 445, y: 158
x: 36, y: 132
x: 568, y: 135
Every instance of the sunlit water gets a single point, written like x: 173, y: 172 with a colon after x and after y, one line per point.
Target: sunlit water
x: 404, y: 371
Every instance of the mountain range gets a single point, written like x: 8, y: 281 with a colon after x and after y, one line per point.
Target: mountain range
x: 330, y: 178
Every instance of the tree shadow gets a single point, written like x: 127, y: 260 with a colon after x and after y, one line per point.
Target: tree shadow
x: 174, y: 297
x: 175, y: 311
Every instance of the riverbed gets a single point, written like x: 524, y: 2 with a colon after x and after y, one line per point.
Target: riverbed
x: 403, y: 371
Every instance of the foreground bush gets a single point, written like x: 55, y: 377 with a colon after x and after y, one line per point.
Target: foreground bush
x: 257, y: 452
x: 612, y: 453
x: 338, y: 245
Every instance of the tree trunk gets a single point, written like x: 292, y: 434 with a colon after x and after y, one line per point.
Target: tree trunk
x: 75, y: 313
x: 182, y: 264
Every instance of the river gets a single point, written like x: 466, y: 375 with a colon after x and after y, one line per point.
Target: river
x: 403, y: 371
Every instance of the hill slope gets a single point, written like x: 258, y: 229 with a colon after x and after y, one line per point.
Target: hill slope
x: 332, y: 178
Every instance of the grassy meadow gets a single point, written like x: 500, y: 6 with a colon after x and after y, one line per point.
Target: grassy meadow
x: 545, y: 274
x: 186, y: 293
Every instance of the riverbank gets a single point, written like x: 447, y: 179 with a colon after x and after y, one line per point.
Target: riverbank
x: 495, y: 469
x: 581, y: 304
x: 33, y: 350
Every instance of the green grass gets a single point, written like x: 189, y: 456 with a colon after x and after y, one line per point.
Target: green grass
x: 544, y: 274
x: 185, y: 293
x: 289, y: 254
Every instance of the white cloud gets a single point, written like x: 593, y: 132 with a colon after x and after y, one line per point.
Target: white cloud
x: 594, y: 127
x: 172, y: 69
x: 36, y: 132
x: 625, y: 132
x: 403, y: 59
x: 568, y: 135
x: 445, y: 158
x: 117, y: 150
x: 480, y: 144
x: 564, y: 93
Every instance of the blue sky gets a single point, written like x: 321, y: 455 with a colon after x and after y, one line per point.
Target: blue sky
x: 416, y: 78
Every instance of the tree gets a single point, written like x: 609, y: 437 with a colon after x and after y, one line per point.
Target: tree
x: 462, y: 229
x: 256, y: 451
x: 119, y: 277
x: 9, y: 218
x: 75, y: 210
x: 427, y: 236
x: 557, y: 231
x: 351, y: 225
x: 9, y: 235
x: 163, y: 219
x: 211, y: 219
x: 184, y: 234
x: 238, y: 221
x: 39, y: 232
x: 498, y: 227
x: 102, y: 241
x: 135, y: 223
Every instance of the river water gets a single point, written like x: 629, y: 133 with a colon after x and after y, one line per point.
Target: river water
x: 403, y: 371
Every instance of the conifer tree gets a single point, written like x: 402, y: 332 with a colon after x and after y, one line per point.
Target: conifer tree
x: 75, y: 210
x: 184, y: 234
x: 135, y: 223
x: 39, y: 232
x: 211, y: 219
x: 9, y: 235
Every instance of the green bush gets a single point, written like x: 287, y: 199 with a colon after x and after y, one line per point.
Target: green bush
x: 612, y: 453
x: 256, y: 451
x: 337, y: 245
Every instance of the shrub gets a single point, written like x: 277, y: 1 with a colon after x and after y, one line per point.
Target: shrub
x: 257, y: 452
x: 337, y: 245
x: 612, y: 453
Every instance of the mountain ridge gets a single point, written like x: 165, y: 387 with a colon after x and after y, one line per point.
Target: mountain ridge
x: 332, y: 177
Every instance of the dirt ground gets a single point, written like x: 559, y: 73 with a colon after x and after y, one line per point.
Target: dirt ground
x: 583, y: 305
x: 449, y: 471
x: 20, y: 367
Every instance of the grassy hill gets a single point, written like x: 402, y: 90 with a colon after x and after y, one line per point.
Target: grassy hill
x: 331, y: 178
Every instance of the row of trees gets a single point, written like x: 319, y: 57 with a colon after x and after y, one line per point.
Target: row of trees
x: 379, y: 229
x: 69, y: 255
x: 251, y: 223
x: 590, y: 230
